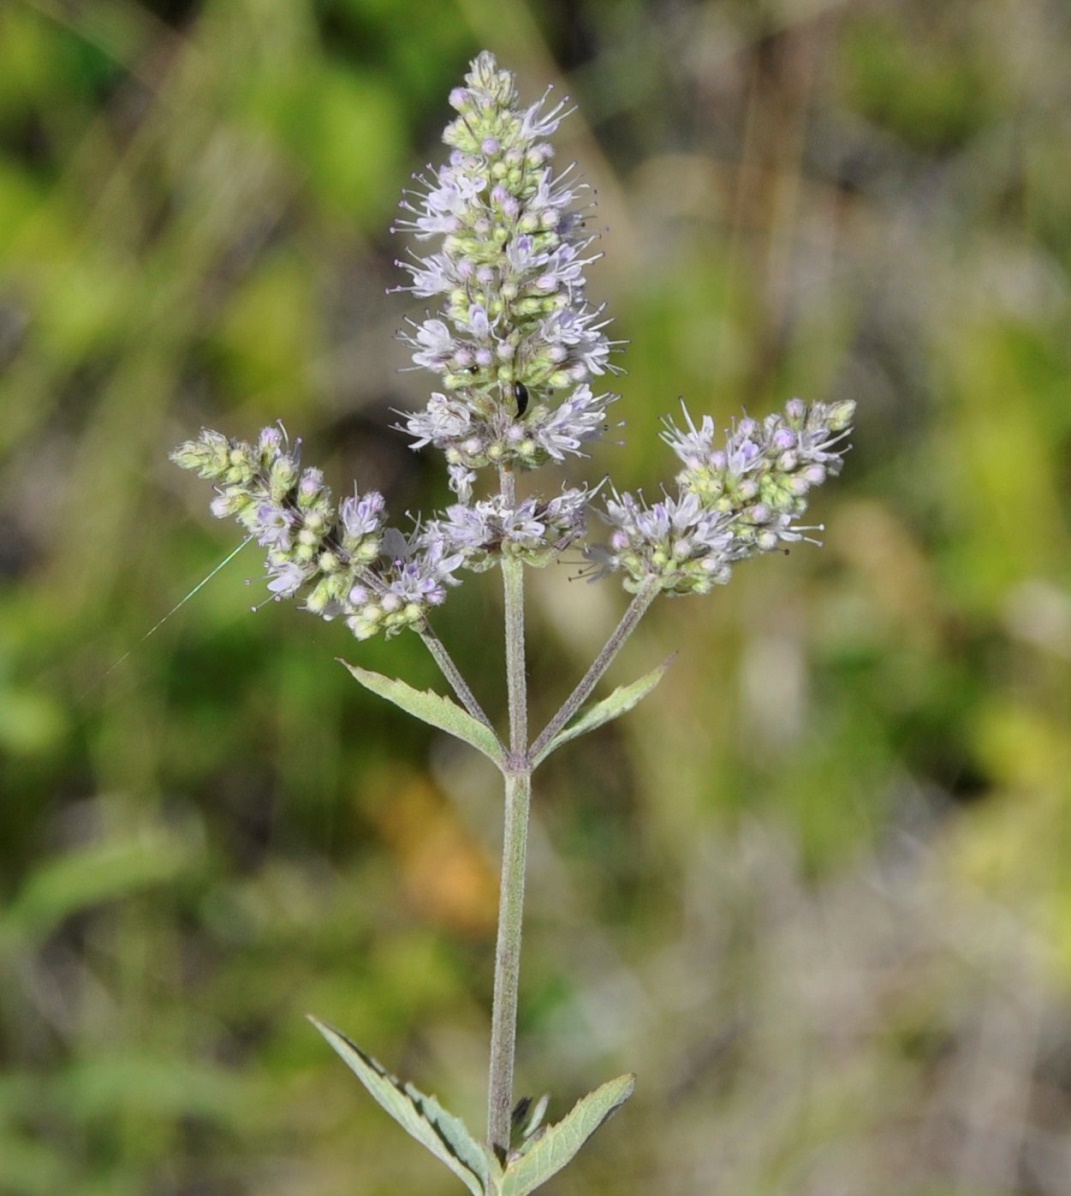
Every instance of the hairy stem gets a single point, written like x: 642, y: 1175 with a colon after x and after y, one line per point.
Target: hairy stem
x: 453, y: 674
x: 518, y: 776
x: 637, y: 609
x: 508, y: 962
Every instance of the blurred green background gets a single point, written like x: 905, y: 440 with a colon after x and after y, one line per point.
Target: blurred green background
x: 816, y: 891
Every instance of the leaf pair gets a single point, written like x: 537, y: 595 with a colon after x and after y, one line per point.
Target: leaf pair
x: 446, y: 1136
x: 441, y: 712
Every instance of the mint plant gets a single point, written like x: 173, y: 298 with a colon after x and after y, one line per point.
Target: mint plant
x: 519, y: 353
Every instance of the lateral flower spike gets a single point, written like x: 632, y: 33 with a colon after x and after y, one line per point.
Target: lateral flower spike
x: 734, y: 501
x: 343, y: 559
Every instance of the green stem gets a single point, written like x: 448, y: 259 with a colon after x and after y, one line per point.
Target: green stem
x: 508, y: 963
x: 452, y: 674
x: 636, y: 610
x: 518, y: 777
x: 516, y: 679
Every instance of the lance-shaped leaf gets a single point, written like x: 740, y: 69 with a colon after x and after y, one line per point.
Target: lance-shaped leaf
x: 434, y: 709
x: 422, y: 1116
x: 556, y: 1146
x: 619, y: 702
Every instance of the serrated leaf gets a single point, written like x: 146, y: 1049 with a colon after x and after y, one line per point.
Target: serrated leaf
x: 433, y: 709
x: 619, y: 702
x: 421, y: 1116
x: 559, y: 1143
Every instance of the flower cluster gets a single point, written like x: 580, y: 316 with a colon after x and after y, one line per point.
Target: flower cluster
x: 536, y: 530
x: 735, y: 501
x: 514, y: 342
x: 515, y: 346
x: 343, y: 560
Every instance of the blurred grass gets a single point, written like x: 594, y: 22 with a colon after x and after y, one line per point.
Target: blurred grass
x: 816, y: 889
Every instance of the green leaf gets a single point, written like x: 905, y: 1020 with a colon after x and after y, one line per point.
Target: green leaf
x: 434, y: 709
x: 422, y: 1116
x: 559, y: 1143
x: 619, y: 702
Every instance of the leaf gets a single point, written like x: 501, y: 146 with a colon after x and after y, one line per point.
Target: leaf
x: 619, y: 702
x: 559, y: 1143
x: 422, y: 1116
x: 435, y: 710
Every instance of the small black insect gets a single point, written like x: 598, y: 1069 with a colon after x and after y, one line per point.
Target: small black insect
x: 520, y: 393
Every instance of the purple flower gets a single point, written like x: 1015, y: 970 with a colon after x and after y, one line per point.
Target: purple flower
x: 435, y: 344
x: 287, y: 577
x: 578, y: 420
x: 676, y: 542
x: 361, y: 515
x: 444, y: 422
x: 272, y: 525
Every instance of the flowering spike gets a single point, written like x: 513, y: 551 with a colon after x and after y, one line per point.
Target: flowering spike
x: 509, y: 273
x: 335, y: 557
x: 735, y: 502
